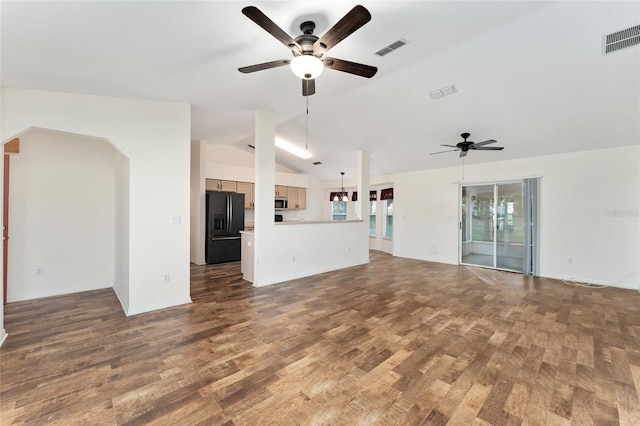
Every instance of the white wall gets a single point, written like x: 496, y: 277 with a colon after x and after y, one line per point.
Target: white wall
x: 62, y: 215
x: 155, y: 137
x: 234, y: 156
x: 589, y: 212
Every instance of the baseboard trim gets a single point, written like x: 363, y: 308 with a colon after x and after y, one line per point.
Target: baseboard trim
x: 61, y: 292
x: 123, y: 304
x: 3, y: 336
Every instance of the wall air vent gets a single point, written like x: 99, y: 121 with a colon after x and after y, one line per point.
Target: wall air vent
x: 390, y: 48
x: 621, y: 40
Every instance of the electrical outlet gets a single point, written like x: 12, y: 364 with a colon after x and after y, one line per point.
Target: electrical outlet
x: 570, y: 261
x: 349, y: 250
x: 167, y: 278
x: 293, y: 259
x: 39, y: 271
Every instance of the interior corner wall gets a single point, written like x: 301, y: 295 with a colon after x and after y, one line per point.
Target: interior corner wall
x: 589, y: 213
x: 61, y: 215
x: 155, y: 137
x: 121, y: 283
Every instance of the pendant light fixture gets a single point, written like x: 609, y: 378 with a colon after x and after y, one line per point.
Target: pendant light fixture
x: 342, y: 196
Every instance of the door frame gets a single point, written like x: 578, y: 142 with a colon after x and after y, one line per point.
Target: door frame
x: 495, y: 184
x: 5, y: 226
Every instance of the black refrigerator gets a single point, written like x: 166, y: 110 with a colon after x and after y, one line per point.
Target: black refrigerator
x: 225, y: 220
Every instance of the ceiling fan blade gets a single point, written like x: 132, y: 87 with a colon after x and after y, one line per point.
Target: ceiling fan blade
x: 308, y: 87
x: 350, y: 67
x: 354, y: 19
x: 451, y: 146
x: 268, y: 25
x: 487, y: 142
x: 463, y: 153
x: 264, y: 66
x: 489, y: 148
x: 442, y: 152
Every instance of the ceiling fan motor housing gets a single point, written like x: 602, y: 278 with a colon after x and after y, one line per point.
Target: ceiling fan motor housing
x: 308, y: 49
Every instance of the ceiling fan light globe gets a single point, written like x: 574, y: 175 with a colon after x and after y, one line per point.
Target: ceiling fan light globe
x: 306, y: 67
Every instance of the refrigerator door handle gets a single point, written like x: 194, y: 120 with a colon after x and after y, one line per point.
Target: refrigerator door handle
x: 231, y: 214
x: 228, y: 213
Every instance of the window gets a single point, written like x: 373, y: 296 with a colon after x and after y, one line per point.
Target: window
x: 388, y: 218
x: 386, y: 195
x: 338, y: 210
x: 372, y: 218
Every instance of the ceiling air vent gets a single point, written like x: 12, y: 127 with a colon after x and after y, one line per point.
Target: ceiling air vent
x: 621, y: 39
x: 317, y: 163
x: 444, y: 91
x: 390, y: 48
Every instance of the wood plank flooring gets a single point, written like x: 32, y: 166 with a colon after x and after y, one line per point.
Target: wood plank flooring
x: 394, y: 342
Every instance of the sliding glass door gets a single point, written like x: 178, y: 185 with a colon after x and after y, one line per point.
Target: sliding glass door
x: 498, y: 225
x: 478, y: 225
x: 510, y: 227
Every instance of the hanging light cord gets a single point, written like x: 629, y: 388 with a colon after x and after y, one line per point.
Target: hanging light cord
x: 306, y: 131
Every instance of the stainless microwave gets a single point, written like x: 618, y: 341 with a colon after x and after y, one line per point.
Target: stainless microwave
x: 282, y: 204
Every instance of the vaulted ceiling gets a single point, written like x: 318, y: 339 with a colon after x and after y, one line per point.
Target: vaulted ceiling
x: 528, y: 74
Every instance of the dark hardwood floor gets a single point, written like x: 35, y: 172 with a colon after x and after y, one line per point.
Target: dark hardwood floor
x: 394, y: 342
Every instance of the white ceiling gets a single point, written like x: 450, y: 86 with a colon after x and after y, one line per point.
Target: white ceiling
x: 529, y: 74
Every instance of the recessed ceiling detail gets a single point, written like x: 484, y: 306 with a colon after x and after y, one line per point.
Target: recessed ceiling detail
x: 391, y: 47
x: 444, y: 91
x: 621, y: 40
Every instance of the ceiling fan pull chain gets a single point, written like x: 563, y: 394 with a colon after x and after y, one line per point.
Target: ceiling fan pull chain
x: 306, y: 130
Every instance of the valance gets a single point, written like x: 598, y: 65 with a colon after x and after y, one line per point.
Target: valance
x: 386, y: 194
x: 373, y: 195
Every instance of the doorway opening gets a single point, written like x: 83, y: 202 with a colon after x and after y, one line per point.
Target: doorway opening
x: 499, y: 225
x: 66, y: 213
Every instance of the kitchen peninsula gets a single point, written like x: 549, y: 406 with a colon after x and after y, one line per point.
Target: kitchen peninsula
x: 248, y: 238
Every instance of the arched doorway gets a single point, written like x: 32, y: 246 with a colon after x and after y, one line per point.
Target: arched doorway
x: 65, y: 195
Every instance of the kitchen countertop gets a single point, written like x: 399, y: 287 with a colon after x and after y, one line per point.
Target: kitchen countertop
x: 301, y: 222
x: 311, y: 222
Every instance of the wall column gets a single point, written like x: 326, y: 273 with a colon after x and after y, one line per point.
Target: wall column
x: 265, y: 159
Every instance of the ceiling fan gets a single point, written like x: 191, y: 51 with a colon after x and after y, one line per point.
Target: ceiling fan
x: 465, y: 146
x: 308, y: 49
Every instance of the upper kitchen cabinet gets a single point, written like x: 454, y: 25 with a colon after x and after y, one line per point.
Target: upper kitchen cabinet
x: 221, y: 185
x: 247, y: 189
x: 282, y: 191
x: 297, y: 198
